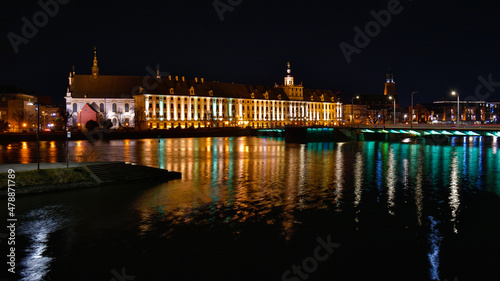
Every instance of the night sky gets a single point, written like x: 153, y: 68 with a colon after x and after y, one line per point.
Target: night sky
x: 431, y: 46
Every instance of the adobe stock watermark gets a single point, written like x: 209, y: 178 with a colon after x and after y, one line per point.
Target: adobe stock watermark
x: 121, y: 277
x: 362, y: 38
x: 484, y: 89
x: 310, y: 264
x: 221, y: 7
x: 40, y: 19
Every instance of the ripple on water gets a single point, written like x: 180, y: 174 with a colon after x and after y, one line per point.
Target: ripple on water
x: 36, y: 226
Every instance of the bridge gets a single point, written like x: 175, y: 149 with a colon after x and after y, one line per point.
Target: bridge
x: 429, y: 133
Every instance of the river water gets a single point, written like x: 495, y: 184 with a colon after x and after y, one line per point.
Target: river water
x: 251, y: 208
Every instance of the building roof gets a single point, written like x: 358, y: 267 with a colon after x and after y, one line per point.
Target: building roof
x: 431, y: 106
x: 105, y: 86
x: 91, y: 107
x: 374, y: 100
x: 109, y: 86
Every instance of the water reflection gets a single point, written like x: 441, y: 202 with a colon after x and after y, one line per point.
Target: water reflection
x: 391, y: 181
x: 435, y: 246
x: 377, y: 189
x: 339, y: 175
x: 418, y: 188
x: 241, y: 172
x: 454, y: 192
x: 358, y: 183
x: 37, y: 226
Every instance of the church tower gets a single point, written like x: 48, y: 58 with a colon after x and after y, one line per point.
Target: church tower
x: 390, y: 86
x: 294, y: 92
x: 288, y: 77
x: 95, y: 68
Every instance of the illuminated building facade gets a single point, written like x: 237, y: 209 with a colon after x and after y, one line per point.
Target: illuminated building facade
x: 17, y: 108
x: 159, y: 102
x: 197, y: 103
x: 109, y: 95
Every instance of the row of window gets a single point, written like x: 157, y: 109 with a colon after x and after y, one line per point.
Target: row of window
x: 101, y: 107
x: 217, y: 106
x: 316, y: 105
x: 206, y: 116
x: 278, y: 109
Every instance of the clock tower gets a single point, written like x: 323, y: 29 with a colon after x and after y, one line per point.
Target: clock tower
x: 294, y: 92
x: 390, y: 86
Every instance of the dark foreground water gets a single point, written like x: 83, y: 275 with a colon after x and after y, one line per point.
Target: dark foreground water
x: 260, y: 209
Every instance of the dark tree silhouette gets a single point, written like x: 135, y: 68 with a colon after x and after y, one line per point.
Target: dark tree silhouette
x: 91, y: 125
x: 22, y: 116
x: 4, y: 126
x: 139, y: 118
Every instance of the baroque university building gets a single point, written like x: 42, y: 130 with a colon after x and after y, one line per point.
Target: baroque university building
x: 166, y: 102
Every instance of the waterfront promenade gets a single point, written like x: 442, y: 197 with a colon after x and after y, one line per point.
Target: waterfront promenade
x: 58, y: 165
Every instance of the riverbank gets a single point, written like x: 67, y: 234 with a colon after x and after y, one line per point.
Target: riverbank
x: 46, y: 180
x: 29, y: 180
x: 129, y: 134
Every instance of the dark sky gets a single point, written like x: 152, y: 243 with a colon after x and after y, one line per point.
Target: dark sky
x: 431, y: 46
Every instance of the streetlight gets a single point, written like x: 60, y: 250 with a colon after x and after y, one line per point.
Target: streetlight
x: 352, y: 110
x: 411, y: 117
x: 37, y: 133
x: 458, y: 106
x: 394, y: 100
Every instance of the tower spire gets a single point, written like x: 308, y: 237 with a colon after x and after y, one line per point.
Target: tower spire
x: 390, y: 85
x: 288, y: 77
x: 95, y: 68
x: 292, y: 90
x: 389, y: 77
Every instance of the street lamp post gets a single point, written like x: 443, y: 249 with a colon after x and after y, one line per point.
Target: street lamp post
x: 37, y: 133
x: 352, y: 110
x: 458, y: 106
x: 411, y: 113
x: 394, y: 115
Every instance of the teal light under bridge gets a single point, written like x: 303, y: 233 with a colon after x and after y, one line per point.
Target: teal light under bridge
x: 471, y: 133
x: 320, y: 129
